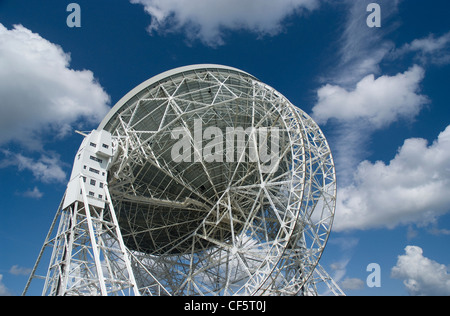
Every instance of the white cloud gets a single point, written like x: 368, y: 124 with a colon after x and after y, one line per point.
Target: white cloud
x: 35, y: 193
x: 345, y: 247
x: 38, y: 90
x: 48, y: 168
x: 3, y: 290
x: 360, y: 49
x: 412, y: 188
x: 358, y: 101
x: 378, y: 102
x: 354, y: 95
x: 16, y: 270
x: 430, y: 44
x: 207, y: 20
x: 429, y: 49
x: 352, y: 284
x: 421, y: 275
x: 373, y: 104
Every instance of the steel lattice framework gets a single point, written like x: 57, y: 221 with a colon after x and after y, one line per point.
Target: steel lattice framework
x: 213, y: 220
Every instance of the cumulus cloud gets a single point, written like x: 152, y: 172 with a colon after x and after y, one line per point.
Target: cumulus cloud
x: 39, y: 91
x: 373, y: 104
x: 421, y: 275
x: 207, y: 20
x: 378, y: 102
x: 48, y: 168
x: 411, y: 188
x: 354, y: 97
x: 356, y: 100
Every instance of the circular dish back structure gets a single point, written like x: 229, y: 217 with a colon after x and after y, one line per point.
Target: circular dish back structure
x: 221, y: 186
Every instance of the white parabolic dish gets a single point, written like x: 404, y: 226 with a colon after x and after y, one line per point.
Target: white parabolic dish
x: 221, y: 186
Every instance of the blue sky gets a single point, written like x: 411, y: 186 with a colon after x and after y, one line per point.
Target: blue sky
x: 379, y: 94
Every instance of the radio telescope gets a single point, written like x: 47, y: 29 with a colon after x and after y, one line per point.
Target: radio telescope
x: 200, y: 181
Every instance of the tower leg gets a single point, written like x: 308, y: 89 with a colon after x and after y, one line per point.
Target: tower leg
x: 89, y: 256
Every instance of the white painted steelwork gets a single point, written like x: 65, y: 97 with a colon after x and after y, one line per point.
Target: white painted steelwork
x: 204, y: 226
